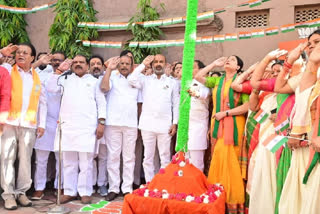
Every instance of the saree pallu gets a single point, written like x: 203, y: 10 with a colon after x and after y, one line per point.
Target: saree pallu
x: 262, y: 168
x: 225, y: 167
x: 285, y: 105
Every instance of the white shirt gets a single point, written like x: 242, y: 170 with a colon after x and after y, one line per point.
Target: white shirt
x: 200, y: 104
x: 27, y: 82
x: 82, y: 104
x: 45, y: 73
x: 160, y: 107
x: 122, y: 100
x: 51, y: 113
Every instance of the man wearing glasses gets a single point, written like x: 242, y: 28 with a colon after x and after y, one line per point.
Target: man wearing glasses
x: 21, y: 126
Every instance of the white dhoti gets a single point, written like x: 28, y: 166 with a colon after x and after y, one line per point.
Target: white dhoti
x: 120, y: 139
x: 151, y: 140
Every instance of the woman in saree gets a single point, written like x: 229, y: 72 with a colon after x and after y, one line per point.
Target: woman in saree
x: 297, y: 197
x: 228, y: 122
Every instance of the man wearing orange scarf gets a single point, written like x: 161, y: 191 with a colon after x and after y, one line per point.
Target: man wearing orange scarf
x: 19, y: 131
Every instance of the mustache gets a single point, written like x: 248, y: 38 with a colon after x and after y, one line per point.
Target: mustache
x: 96, y: 69
x: 78, y: 66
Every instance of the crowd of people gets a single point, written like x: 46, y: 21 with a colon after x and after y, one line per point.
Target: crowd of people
x: 116, y: 122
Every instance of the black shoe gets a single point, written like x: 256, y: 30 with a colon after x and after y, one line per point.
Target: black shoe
x: 111, y: 196
x: 126, y: 193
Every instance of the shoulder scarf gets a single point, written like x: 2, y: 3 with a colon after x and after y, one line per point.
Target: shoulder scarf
x: 17, y: 96
x: 219, y: 107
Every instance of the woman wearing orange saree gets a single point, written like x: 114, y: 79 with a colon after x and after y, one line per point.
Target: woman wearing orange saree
x: 227, y: 126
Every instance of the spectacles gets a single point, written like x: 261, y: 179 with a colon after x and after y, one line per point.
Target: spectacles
x: 22, y: 53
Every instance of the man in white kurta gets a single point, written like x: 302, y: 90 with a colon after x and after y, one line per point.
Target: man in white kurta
x: 45, y: 145
x: 21, y: 128
x: 199, y: 121
x: 82, y: 118
x: 122, y: 122
x: 159, y: 117
x: 100, y: 172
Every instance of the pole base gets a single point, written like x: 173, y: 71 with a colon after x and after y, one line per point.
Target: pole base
x: 59, y: 209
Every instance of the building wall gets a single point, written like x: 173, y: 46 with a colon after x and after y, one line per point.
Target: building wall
x: 251, y: 50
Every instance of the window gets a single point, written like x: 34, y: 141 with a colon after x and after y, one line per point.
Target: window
x: 251, y: 19
x: 307, y: 12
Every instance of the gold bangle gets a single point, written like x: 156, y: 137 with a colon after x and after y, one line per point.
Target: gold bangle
x: 313, y: 72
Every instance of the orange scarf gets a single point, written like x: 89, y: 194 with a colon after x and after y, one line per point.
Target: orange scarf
x: 17, y: 96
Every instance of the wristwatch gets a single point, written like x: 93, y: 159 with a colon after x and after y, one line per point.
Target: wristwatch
x: 102, y: 121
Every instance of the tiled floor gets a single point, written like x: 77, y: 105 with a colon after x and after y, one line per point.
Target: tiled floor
x: 48, y: 202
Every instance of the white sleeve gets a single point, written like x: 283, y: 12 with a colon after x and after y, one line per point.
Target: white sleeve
x: 136, y: 79
x: 54, y: 83
x: 140, y: 97
x: 175, y: 103
x: 100, y: 101
x: 204, y: 92
x: 42, y: 107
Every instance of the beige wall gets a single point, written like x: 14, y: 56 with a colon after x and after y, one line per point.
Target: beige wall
x: 251, y: 50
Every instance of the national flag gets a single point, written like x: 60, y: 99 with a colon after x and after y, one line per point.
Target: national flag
x: 198, y: 40
x: 243, y: 4
x: 157, y: 23
x: 288, y: 28
x: 184, y: 18
x: 314, y: 23
x: 179, y: 42
x: 255, y: 3
x: 301, y: 25
x: 206, y: 39
x: 52, y: 5
x: 81, y: 24
x: 257, y: 33
x: 115, y: 44
x: 152, y: 44
x: 245, y: 35
x: 143, y: 44
x: 231, y: 37
x: 147, y: 24
x: 177, y: 20
x: 206, y: 15
x: 166, y: 22
x: 90, y: 24
x: 86, y: 43
x: 133, y: 44
x: 42, y: 7
x: 265, y: 1
x: 281, y: 125
x: 160, y: 44
x: 170, y: 43
x: 272, y: 31
x: 118, y: 25
x: 274, y: 142
x: 218, y: 38
x: 100, y: 25
x: 261, y: 116
x: 101, y: 44
x: 221, y: 10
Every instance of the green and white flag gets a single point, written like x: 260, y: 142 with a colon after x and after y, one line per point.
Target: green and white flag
x: 287, y: 28
x: 218, y: 38
x: 245, y: 35
x: 231, y: 37
x: 274, y: 142
x: 255, y: 3
x: 261, y: 116
x: 257, y: 33
x: 272, y: 31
